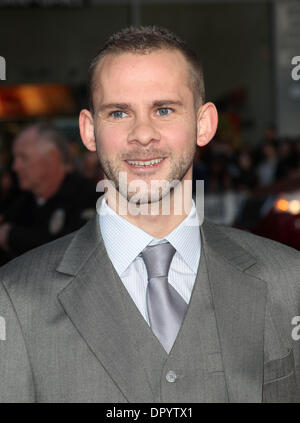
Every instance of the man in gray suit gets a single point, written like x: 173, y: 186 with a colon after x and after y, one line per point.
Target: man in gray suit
x: 146, y: 305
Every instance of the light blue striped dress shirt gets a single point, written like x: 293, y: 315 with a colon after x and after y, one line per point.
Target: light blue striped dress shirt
x: 125, y: 241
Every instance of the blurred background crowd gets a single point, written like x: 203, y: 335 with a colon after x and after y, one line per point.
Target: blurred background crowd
x: 251, y: 170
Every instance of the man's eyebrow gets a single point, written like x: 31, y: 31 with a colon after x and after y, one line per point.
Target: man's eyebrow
x: 161, y: 103
x: 125, y: 106
x: 109, y: 106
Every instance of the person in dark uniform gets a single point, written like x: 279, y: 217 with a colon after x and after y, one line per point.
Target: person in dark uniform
x: 53, y: 201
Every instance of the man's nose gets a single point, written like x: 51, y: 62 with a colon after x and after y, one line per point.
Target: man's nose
x: 143, y: 131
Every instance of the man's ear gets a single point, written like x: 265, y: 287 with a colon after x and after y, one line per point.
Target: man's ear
x: 207, y: 122
x: 86, y: 126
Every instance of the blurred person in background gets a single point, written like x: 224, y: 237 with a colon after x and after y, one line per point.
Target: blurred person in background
x: 287, y: 160
x: 9, y: 188
x: 219, y: 178
x: 53, y: 200
x: 295, y: 171
x: 90, y: 167
x: 246, y: 178
x: 74, y: 155
x: 267, y: 166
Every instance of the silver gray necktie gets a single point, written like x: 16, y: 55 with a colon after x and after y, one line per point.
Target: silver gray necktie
x: 166, y: 308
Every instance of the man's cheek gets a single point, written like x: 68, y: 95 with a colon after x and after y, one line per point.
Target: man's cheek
x: 179, y: 134
x: 109, y: 140
x: 183, y: 138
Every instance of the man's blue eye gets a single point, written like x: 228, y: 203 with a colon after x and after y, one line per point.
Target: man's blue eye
x: 164, y: 111
x: 118, y: 114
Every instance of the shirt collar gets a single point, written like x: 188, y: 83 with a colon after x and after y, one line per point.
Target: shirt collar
x: 186, y: 239
x: 125, y: 241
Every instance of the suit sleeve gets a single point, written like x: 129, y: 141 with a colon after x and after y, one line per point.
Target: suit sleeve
x: 16, y: 379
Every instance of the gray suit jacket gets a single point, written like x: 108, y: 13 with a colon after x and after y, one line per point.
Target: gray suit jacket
x: 70, y: 327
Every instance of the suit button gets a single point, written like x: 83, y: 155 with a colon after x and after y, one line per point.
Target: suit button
x: 171, y: 376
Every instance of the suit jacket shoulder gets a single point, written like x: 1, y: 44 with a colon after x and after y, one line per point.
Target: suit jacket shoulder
x: 270, y: 256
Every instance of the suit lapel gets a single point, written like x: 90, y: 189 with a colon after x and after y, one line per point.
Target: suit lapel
x: 239, y: 300
x: 93, y: 302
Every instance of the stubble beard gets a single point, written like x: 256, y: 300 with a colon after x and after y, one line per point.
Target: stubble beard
x: 155, y: 192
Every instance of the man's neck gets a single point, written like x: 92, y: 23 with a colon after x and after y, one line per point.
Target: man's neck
x: 157, y: 219
x: 156, y: 226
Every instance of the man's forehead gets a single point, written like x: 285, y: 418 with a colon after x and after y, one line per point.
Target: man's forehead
x: 28, y: 137
x: 163, y: 57
x: 161, y: 71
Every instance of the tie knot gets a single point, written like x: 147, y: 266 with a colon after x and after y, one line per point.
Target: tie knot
x: 157, y: 259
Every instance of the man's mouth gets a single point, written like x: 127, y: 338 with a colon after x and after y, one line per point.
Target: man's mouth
x: 145, y: 163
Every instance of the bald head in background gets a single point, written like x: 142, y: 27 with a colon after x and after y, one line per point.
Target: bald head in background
x: 54, y: 199
x: 40, y: 159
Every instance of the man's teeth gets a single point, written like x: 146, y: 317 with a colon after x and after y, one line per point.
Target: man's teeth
x: 144, y: 163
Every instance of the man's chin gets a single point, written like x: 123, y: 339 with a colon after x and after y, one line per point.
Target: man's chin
x: 152, y: 198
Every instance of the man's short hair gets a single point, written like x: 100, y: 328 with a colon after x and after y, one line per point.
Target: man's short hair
x: 143, y: 40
